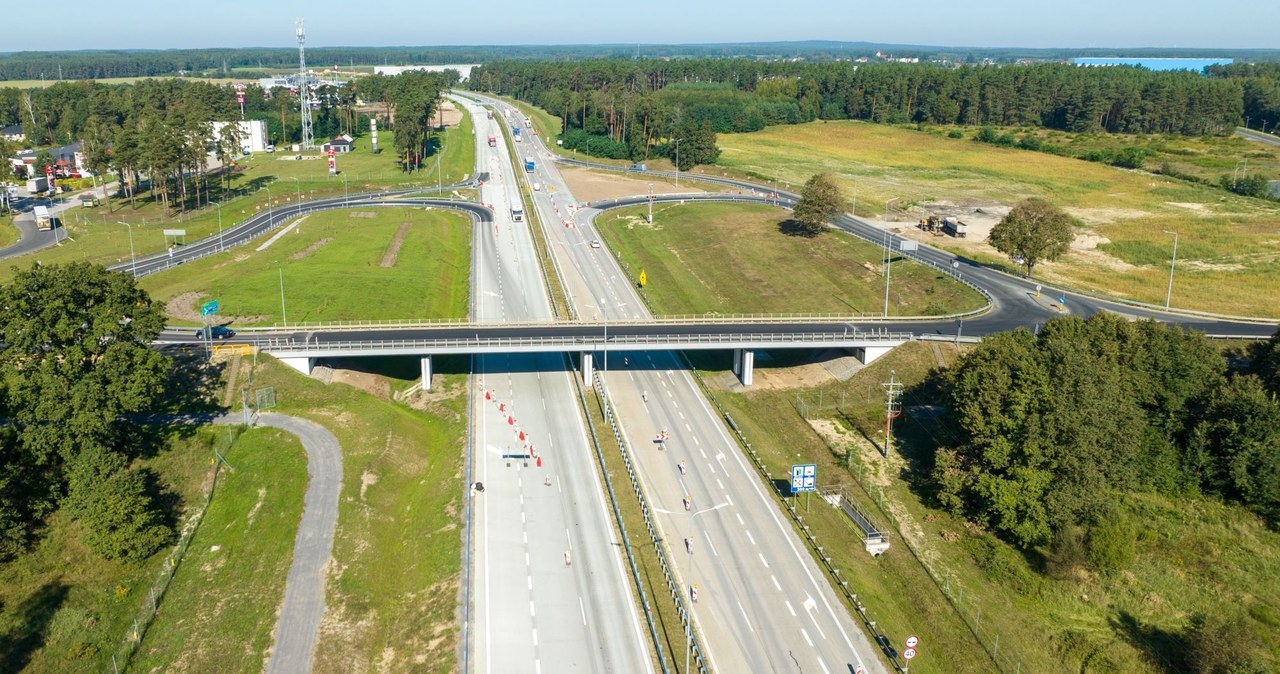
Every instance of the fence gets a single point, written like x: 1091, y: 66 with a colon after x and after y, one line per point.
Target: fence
x: 674, y: 586
x: 147, y: 612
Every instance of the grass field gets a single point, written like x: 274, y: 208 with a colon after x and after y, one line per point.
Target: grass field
x: 62, y: 608
x: 1227, y: 246
x: 332, y: 270
x: 732, y: 258
x: 97, y: 236
x: 392, y: 595
x: 8, y: 232
x: 1192, y: 555
x: 219, y: 613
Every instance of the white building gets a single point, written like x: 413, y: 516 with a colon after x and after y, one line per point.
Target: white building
x: 463, y: 68
x: 253, y: 134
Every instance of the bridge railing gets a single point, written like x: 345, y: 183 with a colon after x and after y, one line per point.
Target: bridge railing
x: 575, y: 342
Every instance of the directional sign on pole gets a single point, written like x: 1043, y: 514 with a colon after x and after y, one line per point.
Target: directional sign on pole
x: 804, y: 477
x: 908, y: 245
x: 209, y: 308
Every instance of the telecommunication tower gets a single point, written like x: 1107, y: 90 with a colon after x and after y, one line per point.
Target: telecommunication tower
x: 304, y: 95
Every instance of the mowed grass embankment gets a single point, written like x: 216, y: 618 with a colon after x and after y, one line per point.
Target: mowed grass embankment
x: 332, y: 268
x: 733, y: 258
x: 219, y: 613
x: 392, y: 589
x: 96, y: 234
x: 63, y: 608
x: 1229, y: 246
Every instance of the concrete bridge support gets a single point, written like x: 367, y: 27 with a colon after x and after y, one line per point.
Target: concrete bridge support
x: 302, y: 364
x: 868, y: 354
x: 426, y: 373
x: 744, y: 361
x: 587, y: 370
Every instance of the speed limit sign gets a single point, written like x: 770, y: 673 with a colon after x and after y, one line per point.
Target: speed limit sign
x: 908, y: 654
x: 913, y: 641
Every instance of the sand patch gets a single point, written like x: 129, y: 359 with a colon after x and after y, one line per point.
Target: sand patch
x: 310, y: 250
x: 1202, y: 209
x: 393, y: 248
x: 589, y: 185
x: 369, y: 383
x: 1103, y: 216
x: 183, y: 307
x: 1088, y: 241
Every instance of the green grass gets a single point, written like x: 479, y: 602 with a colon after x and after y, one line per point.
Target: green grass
x: 732, y: 258
x: 219, y: 613
x: 8, y: 232
x: 97, y: 236
x: 1193, y: 554
x: 332, y: 270
x: 62, y: 608
x: 1232, y: 249
x: 391, y: 598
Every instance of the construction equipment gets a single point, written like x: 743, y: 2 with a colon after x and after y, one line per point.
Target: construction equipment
x: 955, y: 228
x: 932, y: 224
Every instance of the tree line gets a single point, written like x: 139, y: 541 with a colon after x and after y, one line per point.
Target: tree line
x: 636, y: 103
x: 1050, y: 426
x: 161, y: 129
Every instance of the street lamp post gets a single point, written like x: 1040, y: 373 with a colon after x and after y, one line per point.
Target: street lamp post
x: 1168, y: 295
x: 133, y: 260
x: 284, y: 315
x: 270, y: 198
x: 604, y: 382
x: 678, y: 161
x: 219, y: 205
x: 888, y: 269
x: 298, y: 184
x: 688, y: 549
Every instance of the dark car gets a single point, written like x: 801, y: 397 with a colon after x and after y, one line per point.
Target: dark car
x: 215, y: 332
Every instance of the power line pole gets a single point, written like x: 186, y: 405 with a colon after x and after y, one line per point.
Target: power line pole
x: 892, y: 408
x: 308, y: 135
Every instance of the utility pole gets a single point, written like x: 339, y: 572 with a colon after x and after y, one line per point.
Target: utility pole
x: 892, y: 408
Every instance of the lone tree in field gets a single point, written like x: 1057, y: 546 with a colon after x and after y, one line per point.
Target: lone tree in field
x: 1035, y: 231
x: 820, y: 200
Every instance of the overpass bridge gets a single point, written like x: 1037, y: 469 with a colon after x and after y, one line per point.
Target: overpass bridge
x: 301, y: 349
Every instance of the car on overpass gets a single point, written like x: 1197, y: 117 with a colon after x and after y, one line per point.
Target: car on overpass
x: 215, y: 332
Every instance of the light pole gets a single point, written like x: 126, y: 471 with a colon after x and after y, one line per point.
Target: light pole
x: 678, y: 161
x: 888, y: 269
x: 604, y: 382
x: 270, y: 224
x: 284, y: 316
x: 298, y: 184
x: 688, y: 549
x: 651, y: 203
x: 1172, y: 262
x: 219, y: 205
x: 133, y: 260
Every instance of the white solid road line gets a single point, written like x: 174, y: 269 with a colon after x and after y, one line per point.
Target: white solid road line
x: 745, y: 618
x: 583, y: 608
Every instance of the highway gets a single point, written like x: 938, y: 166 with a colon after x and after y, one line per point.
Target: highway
x: 547, y: 588
x: 763, y: 604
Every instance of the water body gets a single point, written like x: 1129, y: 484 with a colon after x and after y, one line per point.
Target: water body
x: 1196, y: 65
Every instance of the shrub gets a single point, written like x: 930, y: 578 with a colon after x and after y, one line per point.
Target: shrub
x: 1111, y: 541
x: 955, y: 133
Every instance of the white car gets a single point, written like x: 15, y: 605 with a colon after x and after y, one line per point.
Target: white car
x: 595, y: 243
x: 537, y: 186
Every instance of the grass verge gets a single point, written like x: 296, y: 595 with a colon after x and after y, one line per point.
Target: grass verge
x: 392, y: 590
x: 734, y: 258
x: 331, y: 269
x: 219, y: 612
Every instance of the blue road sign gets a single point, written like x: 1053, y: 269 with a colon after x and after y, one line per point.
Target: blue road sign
x: 209, y: 308
x: 804, y: 477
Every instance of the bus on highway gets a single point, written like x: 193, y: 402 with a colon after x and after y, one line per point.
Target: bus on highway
x: 517, y: 210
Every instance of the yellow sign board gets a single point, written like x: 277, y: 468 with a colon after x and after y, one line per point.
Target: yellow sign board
x: 644, y: 278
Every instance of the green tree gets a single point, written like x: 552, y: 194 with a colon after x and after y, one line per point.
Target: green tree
x: 120, y: 519
x: 1236, y: 446
x: 697, y: 145
x: 1266, y: 363
x: 820, y: 200
x: 1033, y: 231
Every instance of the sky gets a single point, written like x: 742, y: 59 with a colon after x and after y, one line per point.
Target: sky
x: 164, y: 24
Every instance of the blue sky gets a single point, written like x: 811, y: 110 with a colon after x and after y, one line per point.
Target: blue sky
x: 157, y: 24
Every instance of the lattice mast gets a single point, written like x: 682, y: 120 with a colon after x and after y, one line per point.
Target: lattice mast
x: 304, y: 93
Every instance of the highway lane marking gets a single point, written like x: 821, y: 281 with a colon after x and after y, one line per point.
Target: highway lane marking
x: 807, y: 640
x: 532, y: 611
x: 712, y: 468
x: 739, y: 516
x: 696, y: 441
x: 526, y: 558
x: 719, y: 483
x: 822, y: 664
x: 713, y: 548
x: 745, y: 618
x: 793, y: 611
x: 535, y: 636
x: 687, y: 427
x: 763, y: 560
x: 811, y: 607
x: 682, y: 417
x: 775, y: 582
x: 530, y: 579
x: 751, y: 538
x: 704, y: 454
x: 583, y: 608
x: 569, y: 538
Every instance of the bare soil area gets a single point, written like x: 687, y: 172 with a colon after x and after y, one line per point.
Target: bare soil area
x: 590, y: 185
x: 309, y: 250
x: 393, y: 249
x: 183, y: 307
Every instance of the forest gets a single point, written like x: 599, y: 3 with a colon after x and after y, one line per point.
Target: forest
x: 160, y: 128
x: 638, y: 104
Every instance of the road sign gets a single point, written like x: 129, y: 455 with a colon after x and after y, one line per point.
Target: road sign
x: 644, y: 278
x: 209, y: 308
x: 908, y: 245
x: 804, y: 477
x: 913, y: 641
x: 908, y: 654
x: 175, y: 232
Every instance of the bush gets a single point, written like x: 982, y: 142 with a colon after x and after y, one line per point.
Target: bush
x: 1222, y: 643
x: 1003, y: 565
x: 1068, y: 552
x: 985, y: 134
x: 1111, y: 540
x: 955, y: 133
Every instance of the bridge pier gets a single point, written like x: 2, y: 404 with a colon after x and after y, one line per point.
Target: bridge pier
x: 744, y: 361
x: 587, y: 370
x: 426, y: 373
x: 301, y: 364
x: 868, y: 354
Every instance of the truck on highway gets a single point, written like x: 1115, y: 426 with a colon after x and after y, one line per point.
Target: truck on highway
x: 44, y: 222
x: 515, y: 133
x: 954, y: 227
x: 40, y: 184
x: 493, y: 141
x: 529, y: 166
x: 517, y: 210
x: 490, y: 114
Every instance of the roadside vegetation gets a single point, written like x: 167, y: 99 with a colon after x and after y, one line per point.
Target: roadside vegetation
x: 735, y: 258
x: 350, y: 264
